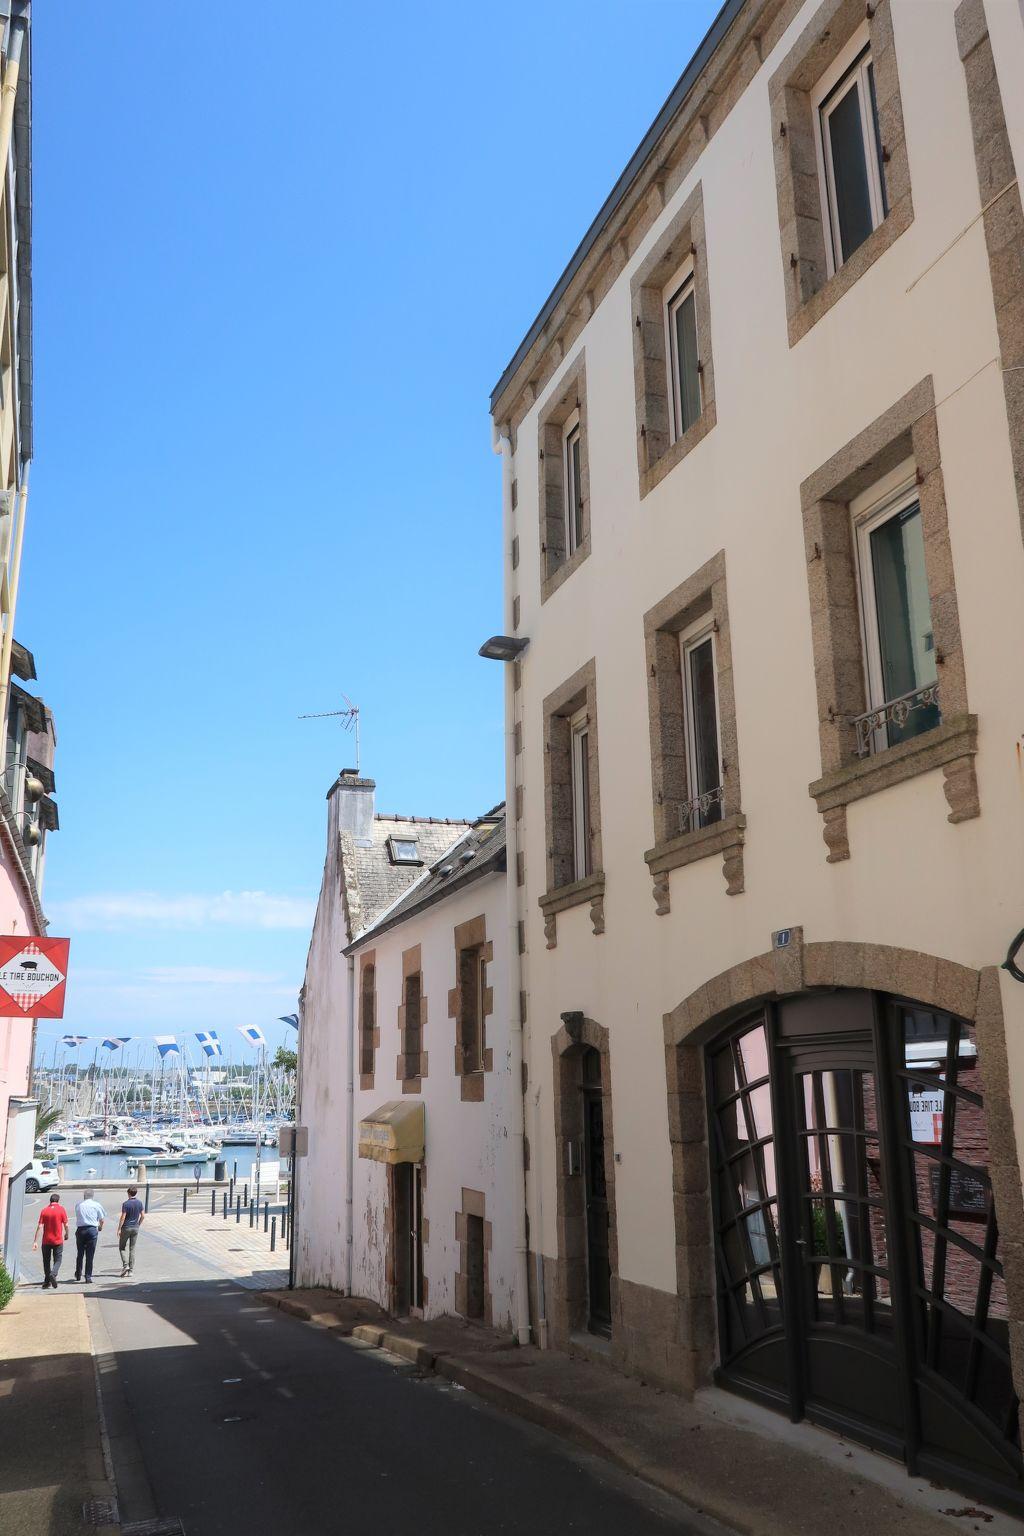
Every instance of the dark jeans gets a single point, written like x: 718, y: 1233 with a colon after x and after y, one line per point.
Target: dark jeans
x: 52, y: 1255
x: 86, y: 1239
x: 127, y: 1247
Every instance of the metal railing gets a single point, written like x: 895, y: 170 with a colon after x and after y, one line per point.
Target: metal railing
x: 697, y: 812
x: 893, y: 712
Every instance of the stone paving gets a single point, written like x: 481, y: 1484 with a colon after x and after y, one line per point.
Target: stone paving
x: 228, y: 1247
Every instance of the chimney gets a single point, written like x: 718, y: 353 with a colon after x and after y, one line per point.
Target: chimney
x: 353, y: 799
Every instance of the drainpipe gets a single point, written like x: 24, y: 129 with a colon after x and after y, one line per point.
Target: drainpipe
x: 9, y: 93
x: 503, y: 445
x: 350, y: 1104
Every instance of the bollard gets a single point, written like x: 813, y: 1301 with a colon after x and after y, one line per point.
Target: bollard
x: 273, y: 1234
x: 184, y: 1201
x: 146, y: 1207
x: 246, y: 1196
x: 238, y: 1210
x: 213, y: 1202
x: 225, y: 1205
x: 234, y: 1174
x: 231, y: 1190
x: 284, y: 1224
x: 266, y: 1215
x: 250, y: 1215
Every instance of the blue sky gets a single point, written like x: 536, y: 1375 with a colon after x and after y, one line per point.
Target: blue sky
x: 277, y: 272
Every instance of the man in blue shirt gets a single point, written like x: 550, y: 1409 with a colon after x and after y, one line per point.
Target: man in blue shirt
x: 89, y: 1218
x: 133, y: 1214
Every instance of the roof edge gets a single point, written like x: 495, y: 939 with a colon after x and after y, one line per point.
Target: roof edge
x: 707, y: 47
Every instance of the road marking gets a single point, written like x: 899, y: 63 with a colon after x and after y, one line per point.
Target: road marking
x: 286, y: 1391
x: 230, y: 1380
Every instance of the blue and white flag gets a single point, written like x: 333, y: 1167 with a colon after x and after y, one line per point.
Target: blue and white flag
x: 252, y: 1033
x: 73, y: 1040
x: 289, y: 1018
x: 115, y: 1042
x: 208, y: 1040
x: 167, y: 1045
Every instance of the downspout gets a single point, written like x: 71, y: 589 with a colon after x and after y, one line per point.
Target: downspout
x: 503, y: 445
x: 350, y: 1104
x: 9, y: 93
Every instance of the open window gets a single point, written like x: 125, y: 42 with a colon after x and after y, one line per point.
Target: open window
x: 681, y: 351
x: 851, y: 171
x: 573, y: 465
x: 896, y: 616
x: 579, y: 728
x: 703, y: 753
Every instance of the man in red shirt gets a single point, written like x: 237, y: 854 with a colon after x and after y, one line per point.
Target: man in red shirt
x: 53, y: 1223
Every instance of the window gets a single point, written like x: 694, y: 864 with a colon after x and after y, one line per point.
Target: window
x: 572, y: 451
x: 850, y: 157
x: 472, y: 984
x: 703, y: 757
x: 413, y: 1043
x: 899, y: 645
x: 681, y: 352
x: 579, y: 727
x: 367, y: 1020
x: 404, y: 850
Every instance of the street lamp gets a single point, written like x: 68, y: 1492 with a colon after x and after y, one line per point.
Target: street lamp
x: 503, y: 648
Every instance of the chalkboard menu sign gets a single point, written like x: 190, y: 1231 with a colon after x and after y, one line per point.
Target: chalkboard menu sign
x: 968, y: 1196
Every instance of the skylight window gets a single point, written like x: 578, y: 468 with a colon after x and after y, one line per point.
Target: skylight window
x: 403, y: 850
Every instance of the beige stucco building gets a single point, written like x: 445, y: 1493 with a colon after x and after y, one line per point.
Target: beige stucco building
x: 764, y: 506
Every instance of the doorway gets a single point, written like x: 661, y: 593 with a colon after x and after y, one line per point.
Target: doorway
x: 407, y: 1237
x: 599, y: 1274
x: 858, y: 1261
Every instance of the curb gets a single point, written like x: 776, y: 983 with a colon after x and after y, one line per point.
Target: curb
x: 540, y: 1411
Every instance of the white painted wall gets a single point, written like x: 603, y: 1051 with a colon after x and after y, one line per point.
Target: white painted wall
x: 467, y: 1145
x: 319, y: 1235
x: 913, y: 879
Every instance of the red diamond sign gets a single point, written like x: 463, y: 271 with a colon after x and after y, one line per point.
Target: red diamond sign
x: 33, y: 975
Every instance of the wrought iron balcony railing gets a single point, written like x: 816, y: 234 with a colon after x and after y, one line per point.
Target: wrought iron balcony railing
x: 893, y: 712
x: 701, y: 810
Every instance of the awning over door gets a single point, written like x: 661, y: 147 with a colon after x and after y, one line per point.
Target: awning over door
x: 393, y: 1133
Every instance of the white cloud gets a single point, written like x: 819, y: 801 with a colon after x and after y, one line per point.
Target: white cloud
x: 116, y: 912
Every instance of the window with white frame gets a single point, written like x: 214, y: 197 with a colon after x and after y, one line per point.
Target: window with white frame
x: 404, y: 850
x: 681, y: 351
x: 700, y: 703
x: 851, y: 172
x: 579, y: 737
x: 573, y: 471
x: 899, y: 646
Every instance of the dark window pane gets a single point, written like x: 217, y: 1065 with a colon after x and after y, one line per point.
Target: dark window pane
x: 849, y: 173
x: 753, y: 1049
x: 904, y: 619
x: 686, y: 361
x: 705, y: 729
x: 575, y: 491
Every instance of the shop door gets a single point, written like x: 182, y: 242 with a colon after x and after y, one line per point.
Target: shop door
x: 599, y: 1303
x: 407, y: 1215
x: 860, y: 1281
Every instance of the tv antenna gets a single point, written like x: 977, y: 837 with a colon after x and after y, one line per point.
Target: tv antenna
x: 348, y: 718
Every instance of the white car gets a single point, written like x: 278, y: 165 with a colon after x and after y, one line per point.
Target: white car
x: 40, y: 1176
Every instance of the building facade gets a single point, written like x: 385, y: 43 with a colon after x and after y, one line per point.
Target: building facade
x: 764, y: 503
x: 27, y: 809
x: 406, y: 1195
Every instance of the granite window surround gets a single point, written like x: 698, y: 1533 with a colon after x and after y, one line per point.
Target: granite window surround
x: 810, y: 291
x: 369, y: 1030
x: 681, y: 242
x: 703, y: 593
x: 563, y: 890
x: 569, y: 396
x: 410, y: 1056
x: 909, y: 429
x: 471, y: 939
x: 1002, y: 218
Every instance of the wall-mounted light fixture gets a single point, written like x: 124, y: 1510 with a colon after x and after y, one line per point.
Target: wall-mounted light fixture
x: 503, y: 648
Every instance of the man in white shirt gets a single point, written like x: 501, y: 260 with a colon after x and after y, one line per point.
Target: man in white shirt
x: 89, y: 1218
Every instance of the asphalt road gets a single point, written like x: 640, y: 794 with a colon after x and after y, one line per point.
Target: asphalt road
x: 236, y: 1419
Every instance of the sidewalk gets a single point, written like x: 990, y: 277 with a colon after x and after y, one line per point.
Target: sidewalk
x: 51, y: 1463
x: 750, y: 1470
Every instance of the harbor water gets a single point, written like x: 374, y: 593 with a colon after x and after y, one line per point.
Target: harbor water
x: 114, y: 1165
